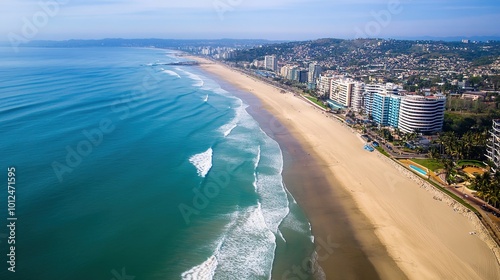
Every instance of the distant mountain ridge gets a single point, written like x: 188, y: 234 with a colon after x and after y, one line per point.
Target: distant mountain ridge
x: 153, y: 42
x: 224, y: 42
x: 452, y: 38
x: 346, y: 53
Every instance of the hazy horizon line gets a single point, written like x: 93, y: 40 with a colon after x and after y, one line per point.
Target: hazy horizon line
x: 399, y: 38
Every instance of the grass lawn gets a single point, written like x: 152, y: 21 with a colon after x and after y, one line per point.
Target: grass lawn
x: 319, y: 103
x: 408, y: 150
x: 476, y: 163
x: 432, y: 164
x: 382, y: 151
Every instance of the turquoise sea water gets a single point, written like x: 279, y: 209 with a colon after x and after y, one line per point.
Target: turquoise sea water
x: 126, y: 167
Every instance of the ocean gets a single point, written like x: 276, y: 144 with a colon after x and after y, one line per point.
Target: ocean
x: 128, y: 167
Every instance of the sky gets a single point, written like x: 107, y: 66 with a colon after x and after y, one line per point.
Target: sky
x: 25, y: 20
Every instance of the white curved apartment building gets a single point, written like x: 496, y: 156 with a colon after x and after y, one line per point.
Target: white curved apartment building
x: 423, y: 114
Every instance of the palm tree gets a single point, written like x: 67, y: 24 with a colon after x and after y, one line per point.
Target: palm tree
x: 441, y: 141
x: 482, y: 183
x: 468, y: 142
x: 434, y: 153
x: 495, y: 188
x: 448, y: 169
x: 451, y: 144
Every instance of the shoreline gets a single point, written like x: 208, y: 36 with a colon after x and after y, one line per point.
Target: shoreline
x: 400, y: 230
x: 301, y: 168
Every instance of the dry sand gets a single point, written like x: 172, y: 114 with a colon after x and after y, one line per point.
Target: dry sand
x: 425, y: 237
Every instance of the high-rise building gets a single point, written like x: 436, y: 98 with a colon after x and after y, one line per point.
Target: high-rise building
x: 394, y: 110
x: 423, y: 114
x: 341, y: 92
x: 303, y: 76
x: 284, y: 72
x: 271, y: 63
x: 314, y: 72
x: 293, y: 74
x: 382, y: 103
x: 324, y: 85
x: 376, y: 95
x: 206, y: 51
x: 493, y: 148
x: 357, y: 94
x: 347, y: 92
x: 385, y: 109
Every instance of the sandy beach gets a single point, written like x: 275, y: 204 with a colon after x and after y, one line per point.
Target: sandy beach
x: 398, y: 226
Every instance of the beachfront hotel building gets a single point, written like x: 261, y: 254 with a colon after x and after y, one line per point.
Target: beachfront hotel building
x: 409, y: 113
x: 289, y: 72
x: 271, y: 63
x: 347, y: 93
x: 324, y: 85
x: 422, y: 114
x: 285, y: 70
x: 382, y: 103
x: 385, y: 109
x: 386, y: 105
x: 340, y: 92
x: 357, y: 93
x: 493, y: 148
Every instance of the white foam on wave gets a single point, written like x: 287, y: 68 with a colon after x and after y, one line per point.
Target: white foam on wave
x: 198, y: 79
x: 219, y: 90
x: 206, y: 99
x: 171, y: 73
x: 245, y: 251
x: 204, y: 271
x: 293, y: 223
x: 270, y: 187
x: 256, y: 164
x: 202, y: 162
x: 268, y: 157
x: 257, y: 160
x: 248, y: 248
x: 206, y: 83
x: 257, y: 227
x: 228, y: 128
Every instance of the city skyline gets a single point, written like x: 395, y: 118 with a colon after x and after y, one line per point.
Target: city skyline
x: 280, y: 20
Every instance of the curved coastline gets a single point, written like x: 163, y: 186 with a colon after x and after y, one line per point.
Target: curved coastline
x: 337, y: 224
x: 396, y: 224
x: 333, y: 229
